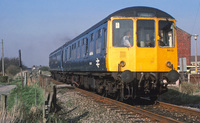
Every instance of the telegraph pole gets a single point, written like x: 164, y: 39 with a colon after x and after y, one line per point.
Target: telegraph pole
x: 195, y: 38
x: 2, y: 60
x: 20, y: 65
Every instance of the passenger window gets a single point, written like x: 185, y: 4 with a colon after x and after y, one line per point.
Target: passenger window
x: 78, y: 50
x: 105, y: 38
x: 86, y: 46
x: 83, y: 49
x: 58, y: 57
x: 69, y: 53
x: 166, y: 34
x: 74, y: 51
x: 123, y: 33
x: 146, y: 33
x: 91, y: 44
x: 98, y: 41
x: 54, y: 59
x: 65, y: 55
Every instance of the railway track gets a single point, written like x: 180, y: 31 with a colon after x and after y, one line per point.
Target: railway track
x: 187, y: 113
x: 180, y: 109
x: 162, y: 112
x: 147, y: 115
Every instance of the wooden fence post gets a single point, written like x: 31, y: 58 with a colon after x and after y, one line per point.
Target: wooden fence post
x: 25, y: 78
x: 3, y: 102
x: 3, y: 106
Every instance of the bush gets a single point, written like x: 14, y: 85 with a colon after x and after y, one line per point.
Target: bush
x: 12, y: 70
x: 4, y: 79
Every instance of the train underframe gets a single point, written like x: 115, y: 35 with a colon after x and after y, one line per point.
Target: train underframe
x: 119, y: 86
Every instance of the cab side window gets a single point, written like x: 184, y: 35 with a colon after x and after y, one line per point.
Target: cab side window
x: 166, y: 34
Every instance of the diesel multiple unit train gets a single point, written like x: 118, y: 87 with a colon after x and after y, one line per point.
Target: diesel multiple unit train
x: 132, y: 53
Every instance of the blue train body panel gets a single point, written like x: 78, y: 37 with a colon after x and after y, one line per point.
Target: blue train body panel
x: 86, y: 53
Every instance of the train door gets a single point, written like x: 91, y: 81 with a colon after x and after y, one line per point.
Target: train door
x: 104, y: 40
x: 146, y: 53
x: 167, y: 48
x: 101, y: 48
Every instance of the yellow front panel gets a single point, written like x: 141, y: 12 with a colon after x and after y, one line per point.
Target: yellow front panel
x: 165, y: 55
x: 140, y: 59
x: 121, y: 54
x: 146, y: 59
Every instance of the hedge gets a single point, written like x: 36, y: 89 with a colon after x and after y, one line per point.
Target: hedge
x: 4, y: 79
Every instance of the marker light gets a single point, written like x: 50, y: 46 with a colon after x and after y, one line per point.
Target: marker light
x: 122, y: 64
x: 169, y: 64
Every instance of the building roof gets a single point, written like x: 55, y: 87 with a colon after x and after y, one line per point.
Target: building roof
x: 184, y: 31
x: 193, y: 58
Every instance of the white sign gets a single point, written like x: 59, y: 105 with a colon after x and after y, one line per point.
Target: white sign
x: 183, y: 64
x: 97, y: 62
x: 117, y: 25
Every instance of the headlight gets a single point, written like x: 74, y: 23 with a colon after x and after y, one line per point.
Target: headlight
x: 169, y: 64
x: 165, y: 81
x: 122, y: 64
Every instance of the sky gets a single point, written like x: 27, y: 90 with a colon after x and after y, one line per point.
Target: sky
x: 38, y: 27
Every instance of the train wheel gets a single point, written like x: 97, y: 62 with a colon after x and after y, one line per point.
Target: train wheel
x: 136, y: 101
x: 104, y: 93
x: 116, y: 96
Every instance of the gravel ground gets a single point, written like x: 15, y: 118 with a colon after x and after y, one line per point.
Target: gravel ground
x: 75, y: 107
x: 78, y: 108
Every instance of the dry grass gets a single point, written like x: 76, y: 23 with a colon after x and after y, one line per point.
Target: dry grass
x: 189, y: 88
x: 183, y: 95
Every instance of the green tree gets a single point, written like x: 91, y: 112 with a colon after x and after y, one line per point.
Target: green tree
x: 44, y: 68
x: 10, y: 61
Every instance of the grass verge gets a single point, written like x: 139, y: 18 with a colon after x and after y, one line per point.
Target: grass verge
x: 21, y: 103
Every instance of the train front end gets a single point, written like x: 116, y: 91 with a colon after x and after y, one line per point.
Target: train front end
x: 142, y: 53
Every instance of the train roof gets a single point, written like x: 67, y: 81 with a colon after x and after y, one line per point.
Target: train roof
x: 55, y: 51
x: 139, y: 11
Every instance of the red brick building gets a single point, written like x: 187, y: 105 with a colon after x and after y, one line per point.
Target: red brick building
x: 184, y: 45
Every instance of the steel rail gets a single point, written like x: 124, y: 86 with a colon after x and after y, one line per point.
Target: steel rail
x: 154, y: 117
x: 187, y: 111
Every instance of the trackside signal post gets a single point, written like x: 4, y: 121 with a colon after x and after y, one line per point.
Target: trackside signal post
x: 2, y: 60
